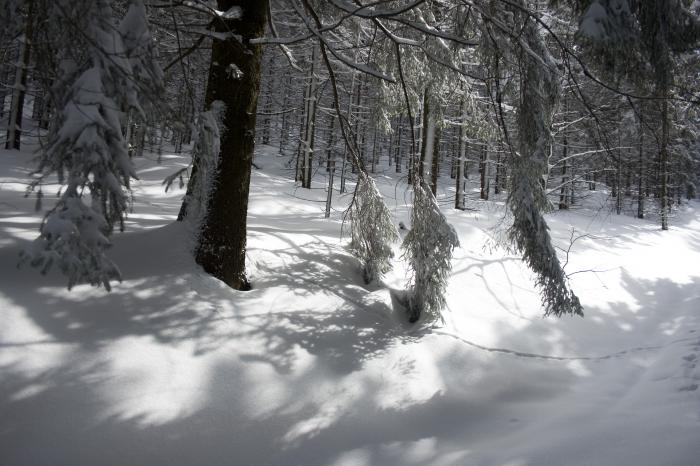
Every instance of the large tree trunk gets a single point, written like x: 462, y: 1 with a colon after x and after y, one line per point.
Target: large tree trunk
x: 222, y: 241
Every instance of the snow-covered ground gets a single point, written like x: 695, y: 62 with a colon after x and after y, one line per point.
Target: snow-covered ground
x: 312, y: 367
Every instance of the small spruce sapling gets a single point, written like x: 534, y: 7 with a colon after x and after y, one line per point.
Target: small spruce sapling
x: 372, y: 230
x: 428, y: 248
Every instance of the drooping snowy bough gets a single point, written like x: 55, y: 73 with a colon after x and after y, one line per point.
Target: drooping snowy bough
x: 428, y: 248
x: 86, y: 149
x: 529, y: 233
x: 371, y: 228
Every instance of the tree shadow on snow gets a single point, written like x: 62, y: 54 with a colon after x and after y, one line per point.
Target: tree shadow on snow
x: 66, y: 414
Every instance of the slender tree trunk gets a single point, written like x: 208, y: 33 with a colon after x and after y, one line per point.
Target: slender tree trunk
x: 5, y: 76
x: 14, y: 125
x: 329, y: 142
x: 284, y: 131
x: 374, y: 151
x: 454, y: 151
x: 222, y: 239
x: 267, y: 120
x: 563, y: 201
x: 343, y: 170
x: 572, y: 184
x: 303, y: 120
x: 664, y: 159
x: 618, y: 175
x: 188, y: 118
x: 483, y: 171
x: 310, y: 133
x: 179, y: 134
x: 359, y: 121
x: 461, y: 158
x: 392, y: 137
x: 466, y: 161
x: 425, y: 123
x: 399, y: 130
x: 38, y: 106
x: 129, y: 133
x: 499, y: 168
x: 435, y: 161
x: 329, y: 194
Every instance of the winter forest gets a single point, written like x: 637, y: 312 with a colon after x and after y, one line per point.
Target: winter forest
x: 349, y: 232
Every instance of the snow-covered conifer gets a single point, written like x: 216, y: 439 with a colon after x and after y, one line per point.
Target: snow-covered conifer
x: 527, y: 200
x: 371, y: 228
x: 428, y: 247
x: 140, y: 50
x: 86, y: 148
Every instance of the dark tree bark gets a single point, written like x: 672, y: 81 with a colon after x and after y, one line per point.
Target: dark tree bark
x: 563, y: 198
x: 425, y: 121
x: 483, y: 167
x: 330, y: 156
x: 435, y: 161
x: 399, y: 129
x: 498, y: 181
x: 267, y: 108
x: 640, y: 168
x: 461, y: 159
x: 284, y: 132
x: 222, y: 240
x: 373, y: 165
x: 663, y: 156
x: 308, y: 143
x: 14, y: 125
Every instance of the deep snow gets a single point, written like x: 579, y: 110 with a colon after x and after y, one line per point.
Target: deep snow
x: 313, y: 367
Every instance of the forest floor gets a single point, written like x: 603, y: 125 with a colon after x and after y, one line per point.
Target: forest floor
x: 312, y: 367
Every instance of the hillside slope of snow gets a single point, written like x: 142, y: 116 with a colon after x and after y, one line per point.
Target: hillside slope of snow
x: 312, y: 367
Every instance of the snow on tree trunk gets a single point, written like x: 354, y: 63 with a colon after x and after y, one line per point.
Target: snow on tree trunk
x: 527, y: 200
x: 234, y: 78
x: 205, y: 153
